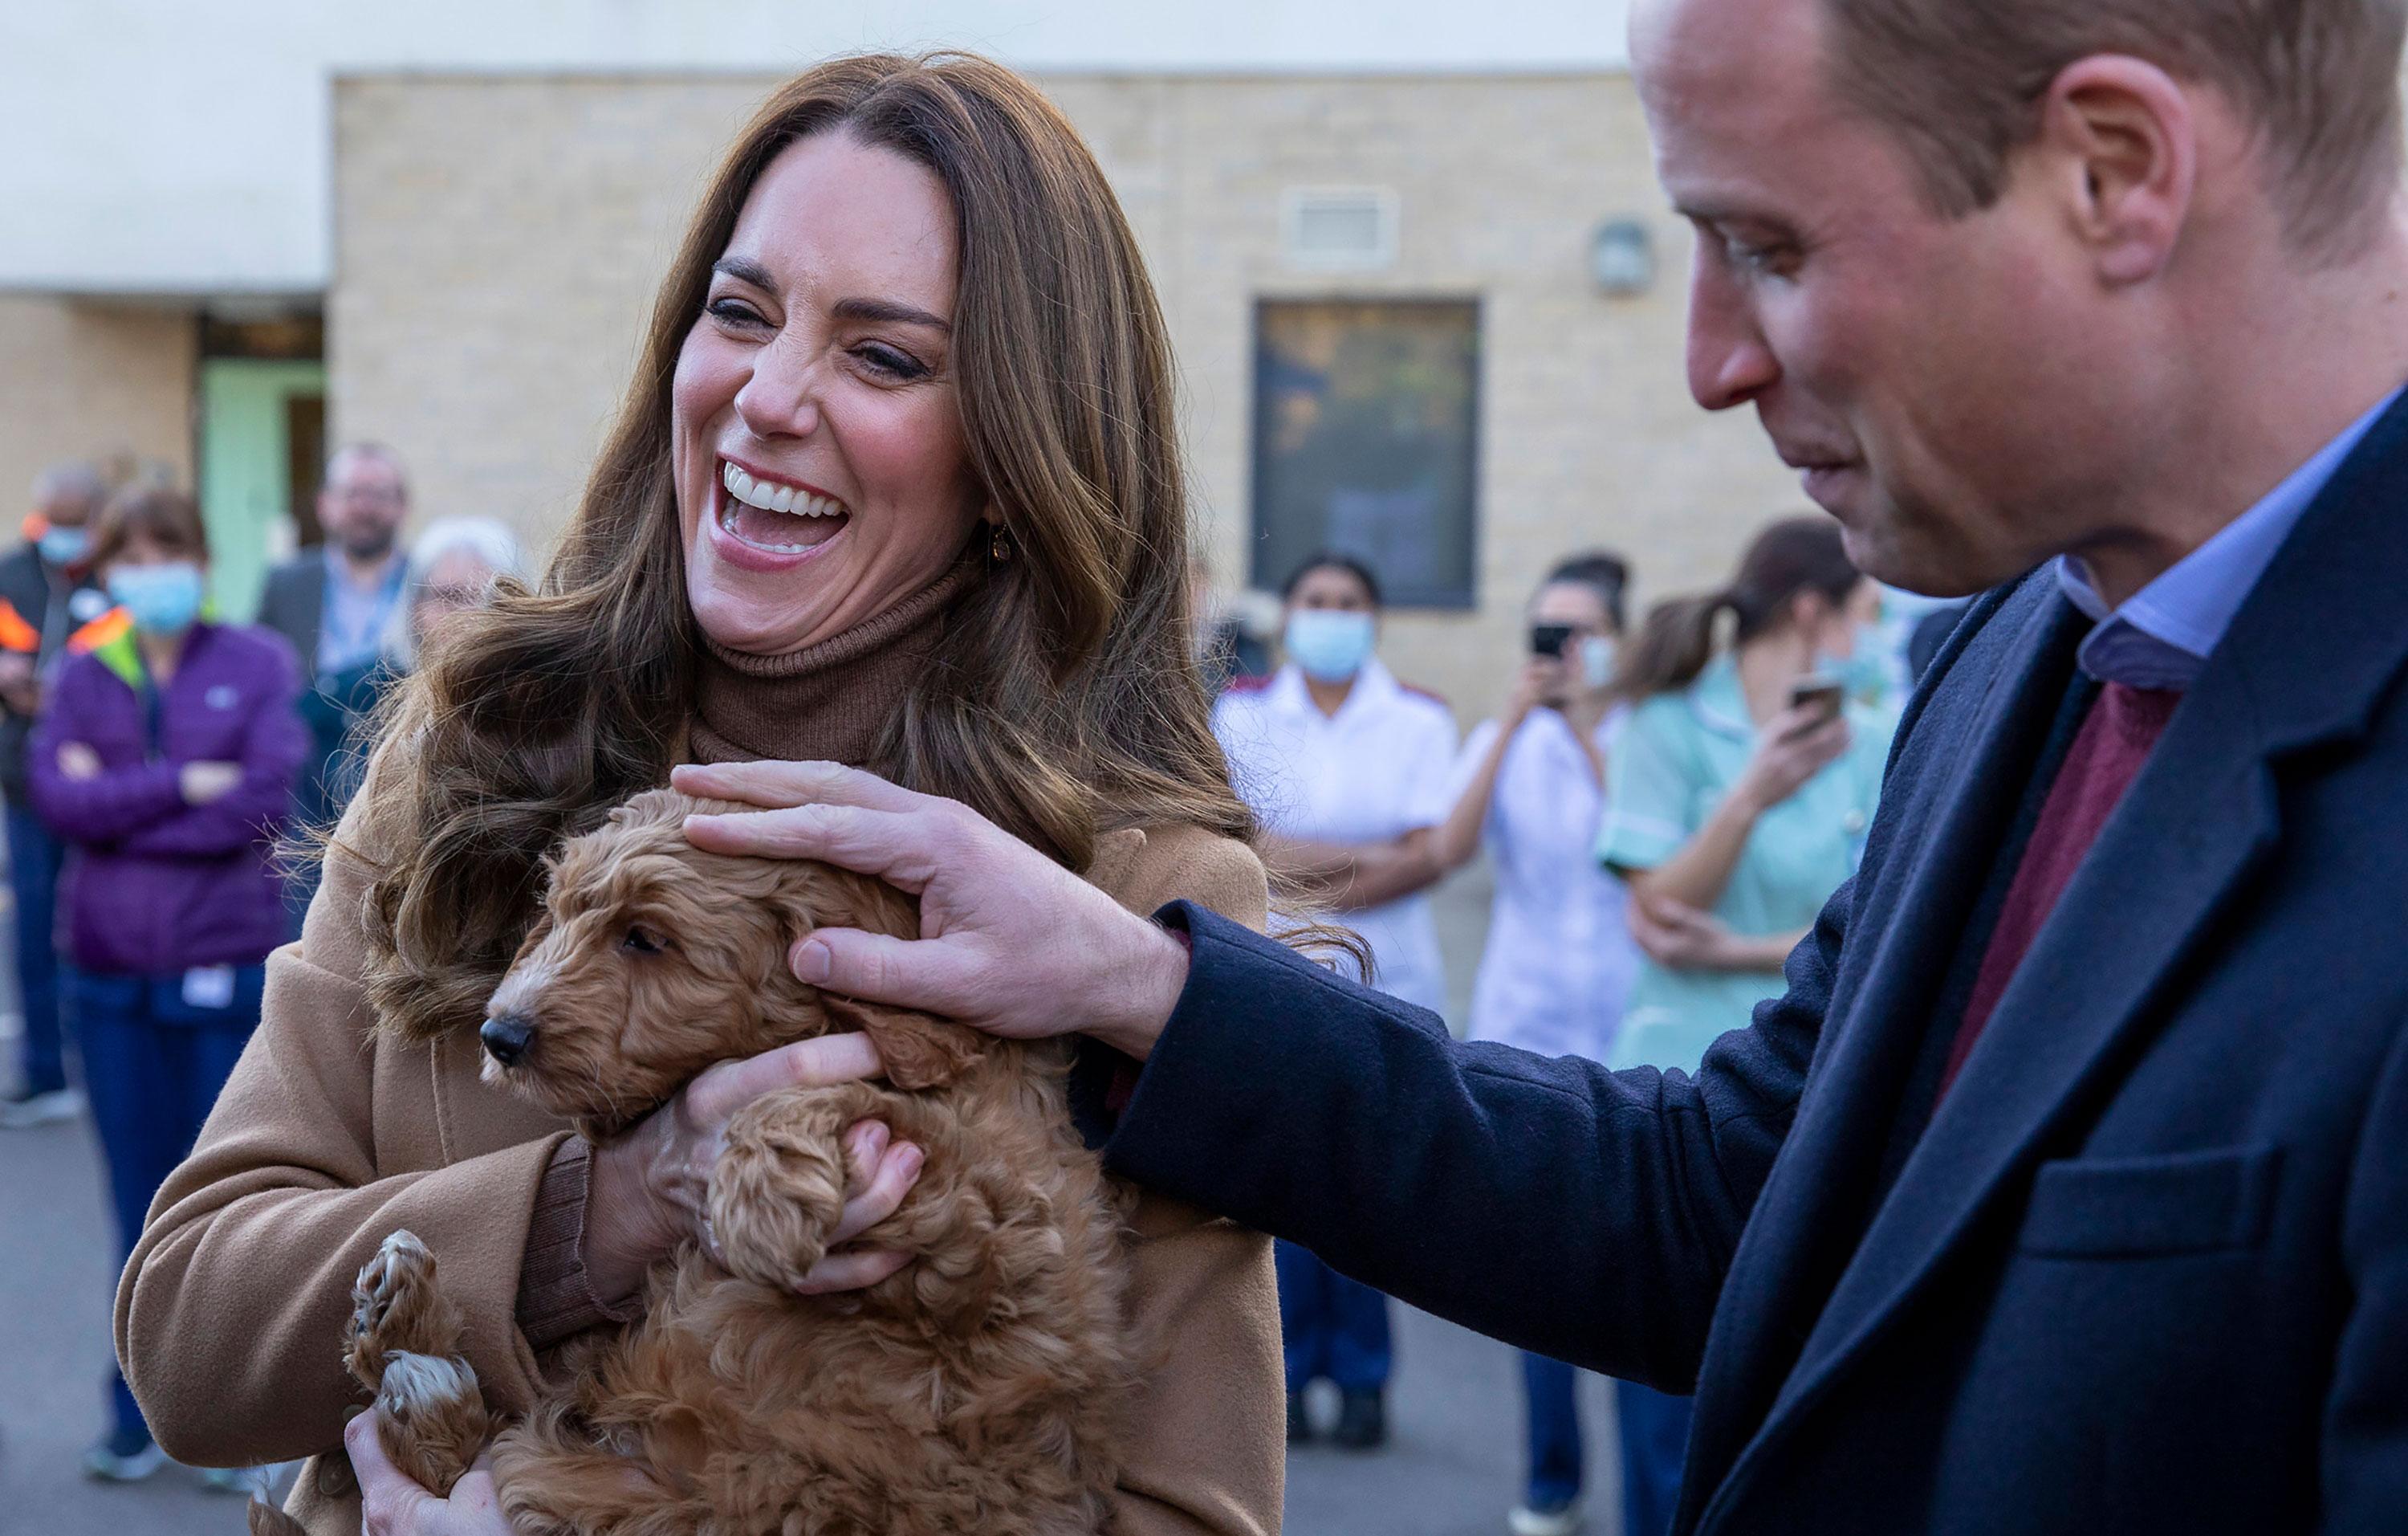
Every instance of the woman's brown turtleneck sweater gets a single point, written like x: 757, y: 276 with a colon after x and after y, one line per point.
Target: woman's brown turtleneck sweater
x: 333, y: 1132
x: 825, y: 703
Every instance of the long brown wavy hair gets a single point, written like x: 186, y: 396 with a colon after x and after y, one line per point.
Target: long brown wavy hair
x: 1066, y: 702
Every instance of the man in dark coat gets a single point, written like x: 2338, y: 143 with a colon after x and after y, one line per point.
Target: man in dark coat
x: 337, y: 604
x: 46, y: 597
x: 2065, y: 1188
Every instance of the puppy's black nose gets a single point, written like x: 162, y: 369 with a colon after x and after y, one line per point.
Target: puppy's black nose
x: 506, y: 1038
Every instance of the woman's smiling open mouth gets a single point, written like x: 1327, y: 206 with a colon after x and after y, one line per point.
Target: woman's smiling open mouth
x: 772, y: 516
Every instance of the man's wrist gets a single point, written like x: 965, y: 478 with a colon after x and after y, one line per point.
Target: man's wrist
x: 1154, y: 977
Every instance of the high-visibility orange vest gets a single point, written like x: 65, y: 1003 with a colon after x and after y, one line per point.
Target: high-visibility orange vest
x: 15, y: 633
x: 113, y: 624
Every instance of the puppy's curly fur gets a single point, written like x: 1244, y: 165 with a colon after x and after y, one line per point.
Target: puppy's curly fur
x: 977, y: 1390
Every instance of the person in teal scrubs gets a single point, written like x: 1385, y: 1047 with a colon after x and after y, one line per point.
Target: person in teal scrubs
x: 1738, y: 799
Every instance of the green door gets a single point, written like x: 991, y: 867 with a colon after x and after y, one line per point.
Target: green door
x: 261, y: 443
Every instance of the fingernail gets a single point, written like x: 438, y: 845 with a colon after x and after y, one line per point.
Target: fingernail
x: 912, y: 1157
x: 873, y: 1141
x: 812, y: 961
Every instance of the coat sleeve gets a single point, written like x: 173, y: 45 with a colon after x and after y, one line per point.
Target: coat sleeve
x: 274, y: 742
x: 1207, y: 1452
x: 115, y: 804
x: 1581, y: 1214
x: 2366, y: 1412
x: 231, y: 1312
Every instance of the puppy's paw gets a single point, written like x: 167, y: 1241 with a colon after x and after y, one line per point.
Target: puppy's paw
x: 777, y: 1190
x: 396, y: 1308
x: 434, y: 1419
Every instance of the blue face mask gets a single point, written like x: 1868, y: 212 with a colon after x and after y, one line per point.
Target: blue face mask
x: 160, y: 599
x: 1596, y: 660
x: 1329, y: 643
x: 64, y: 546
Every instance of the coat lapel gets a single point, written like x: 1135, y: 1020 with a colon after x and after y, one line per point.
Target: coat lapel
x: 1815, y: 1205
x: 2307, y: 661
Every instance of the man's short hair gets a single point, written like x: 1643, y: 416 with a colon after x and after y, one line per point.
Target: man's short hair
x: 2318, y: 80
x: 374, y: 453
x: 75, y: 481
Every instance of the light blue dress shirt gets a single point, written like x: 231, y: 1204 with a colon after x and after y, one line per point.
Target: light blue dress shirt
x: 2163, y: 633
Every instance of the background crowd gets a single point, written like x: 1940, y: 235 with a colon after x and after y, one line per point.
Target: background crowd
x: 1664, y: 813
x: 162, y: 771
x: 1662, y: 807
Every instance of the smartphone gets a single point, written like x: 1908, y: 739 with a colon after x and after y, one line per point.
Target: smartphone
x: 1549, y: 639
x: 1823, y: 694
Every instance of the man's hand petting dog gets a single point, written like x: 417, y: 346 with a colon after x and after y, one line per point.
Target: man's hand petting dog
x: 1012, y: 943
x: 651, y: 1186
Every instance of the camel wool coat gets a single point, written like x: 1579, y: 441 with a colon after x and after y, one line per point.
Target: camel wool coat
x: 332, y: 1133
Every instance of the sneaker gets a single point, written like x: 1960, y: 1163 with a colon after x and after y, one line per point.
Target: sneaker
x: 246, y: 1481
x: 1362, y: 1420
x: 1562, y: 1519
x: 1300, y: 1421
x: 125, y: 1456
x: 23, y: 1112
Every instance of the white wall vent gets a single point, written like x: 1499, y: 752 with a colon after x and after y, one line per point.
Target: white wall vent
x: 1350, y: 229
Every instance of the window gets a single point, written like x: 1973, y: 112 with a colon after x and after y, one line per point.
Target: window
x: 1366, y: 440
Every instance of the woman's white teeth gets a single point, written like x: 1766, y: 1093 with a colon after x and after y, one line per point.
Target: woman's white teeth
x: 771, y: 498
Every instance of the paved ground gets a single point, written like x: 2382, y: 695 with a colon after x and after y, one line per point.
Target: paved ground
x: 1456, y: 1408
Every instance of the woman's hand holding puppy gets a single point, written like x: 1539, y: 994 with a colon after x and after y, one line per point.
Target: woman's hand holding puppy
x: 650, y: 1185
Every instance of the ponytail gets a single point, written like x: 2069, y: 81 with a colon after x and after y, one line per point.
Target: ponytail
x: 1793, y: 555
x: 1672, y: 648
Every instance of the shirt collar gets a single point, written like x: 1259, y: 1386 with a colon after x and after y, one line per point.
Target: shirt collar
x: 1373, y: 685
x: 2164, y: 633
x: 339, y: 570
x: 1718, y: 700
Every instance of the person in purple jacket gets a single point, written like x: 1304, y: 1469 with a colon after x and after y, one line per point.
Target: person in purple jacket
x: 165, y: 760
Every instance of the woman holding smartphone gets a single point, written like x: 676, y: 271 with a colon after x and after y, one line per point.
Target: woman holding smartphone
x: 1530, y: 787
x: 1738, y: 801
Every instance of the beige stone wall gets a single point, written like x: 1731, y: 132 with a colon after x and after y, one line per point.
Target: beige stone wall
x: 497, y: 240
x: 108, y: 382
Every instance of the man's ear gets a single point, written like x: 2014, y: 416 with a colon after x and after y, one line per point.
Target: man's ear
x: 920, y: 1050
x: 2125, y: 133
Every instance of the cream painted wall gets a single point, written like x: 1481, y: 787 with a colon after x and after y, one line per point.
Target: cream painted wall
x: 108, y: 382
x: 168, y: 147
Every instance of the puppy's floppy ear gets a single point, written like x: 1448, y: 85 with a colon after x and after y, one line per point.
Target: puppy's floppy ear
x: 920, y: 1050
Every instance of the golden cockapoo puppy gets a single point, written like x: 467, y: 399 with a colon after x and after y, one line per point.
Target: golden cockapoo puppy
x: 976, y: 1391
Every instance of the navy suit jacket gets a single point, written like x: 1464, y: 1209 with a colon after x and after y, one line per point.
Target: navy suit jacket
x: 2145, y: 1268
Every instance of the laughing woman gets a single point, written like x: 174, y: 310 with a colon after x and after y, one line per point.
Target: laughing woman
x: 896, y: 485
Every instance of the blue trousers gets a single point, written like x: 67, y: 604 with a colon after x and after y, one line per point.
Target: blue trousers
x: 153, y: 1067
x: 1550, y: 1399
x: 1330, y: 1326
x: 33, y: 858
x: 1654, y: 1440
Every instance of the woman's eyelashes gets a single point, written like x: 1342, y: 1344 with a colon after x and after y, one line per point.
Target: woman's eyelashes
x: 883, y: 362
x: 735, y: 311
x: 899, y: 366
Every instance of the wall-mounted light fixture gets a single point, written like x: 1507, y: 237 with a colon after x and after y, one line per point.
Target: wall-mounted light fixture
x: 1622, y: 258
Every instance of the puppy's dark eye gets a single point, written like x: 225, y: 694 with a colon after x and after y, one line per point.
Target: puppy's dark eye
x: 643, y: 941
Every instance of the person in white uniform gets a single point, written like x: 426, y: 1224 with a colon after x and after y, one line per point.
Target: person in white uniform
x: 1347, y: 769
x: 1530, y: 787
